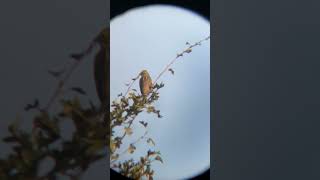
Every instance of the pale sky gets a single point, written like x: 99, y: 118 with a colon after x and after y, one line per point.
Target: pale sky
x: 148, y: 38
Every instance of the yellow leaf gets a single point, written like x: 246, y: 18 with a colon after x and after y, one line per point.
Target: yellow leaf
x: 114, y: 157
x: 128, y: 130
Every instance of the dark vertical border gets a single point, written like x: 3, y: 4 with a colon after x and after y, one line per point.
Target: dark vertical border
x: 108, y: 25
x: 213, y: 93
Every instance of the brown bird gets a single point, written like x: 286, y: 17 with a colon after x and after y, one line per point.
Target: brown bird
x: 145, y: 83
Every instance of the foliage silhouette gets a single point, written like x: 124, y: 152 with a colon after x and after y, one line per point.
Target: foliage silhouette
x: 45, y: 143
x: 93, y: 136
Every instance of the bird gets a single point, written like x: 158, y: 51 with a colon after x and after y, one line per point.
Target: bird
x: 145, y: 83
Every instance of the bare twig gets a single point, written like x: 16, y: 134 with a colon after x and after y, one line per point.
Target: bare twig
x: 78, y: 59
x: 188, y: 50
x: 129, y: 87
x: 61, y: 83
x: 135, y: 142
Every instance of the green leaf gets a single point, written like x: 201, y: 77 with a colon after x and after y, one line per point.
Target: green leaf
x: 171, y: 70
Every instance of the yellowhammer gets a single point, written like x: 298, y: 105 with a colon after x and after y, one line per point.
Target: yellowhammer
x: 145, y: 83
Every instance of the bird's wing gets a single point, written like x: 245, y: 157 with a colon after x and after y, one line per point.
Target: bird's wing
x: 141, y: 85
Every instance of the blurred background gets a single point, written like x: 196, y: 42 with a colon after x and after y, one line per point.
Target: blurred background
x: 38, y: 36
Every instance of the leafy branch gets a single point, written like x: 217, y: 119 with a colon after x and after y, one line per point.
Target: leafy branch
x: 124, y: 112
x: 46, y: 142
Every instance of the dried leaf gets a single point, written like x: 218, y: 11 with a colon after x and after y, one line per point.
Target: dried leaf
x: 79, y: 90
x: 32, y: 106
x: 171, y: 70
x: 158, y: 158
x: 131, y: 148
x: 150, y: 141
x: 128, y: 130
x: 56, y: 74
x: 114, y: 157
x: 151, y: 153
x: 189, y: 50
x: 145, y: 124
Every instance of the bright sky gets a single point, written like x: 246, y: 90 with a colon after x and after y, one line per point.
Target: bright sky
x: 149, y: 38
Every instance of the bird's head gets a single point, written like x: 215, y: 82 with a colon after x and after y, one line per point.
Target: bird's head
x: 144, y: 72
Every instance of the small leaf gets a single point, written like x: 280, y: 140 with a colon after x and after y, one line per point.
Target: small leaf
x: 151, y: 153
x: 142, y: 160
x: 150, y: 141
x: 79, y: 90
x: 32, y: 106
x: 171, y: 70
x: 158, y: 158
x: 150, y: 109
x: 77, y: 56
x: 114, y: 157
x: 128, y: 130
x: 131, y: 148
x: 189, y: 50
x: 56, y: 74
x: 161, y: 85
x: 145, y: 124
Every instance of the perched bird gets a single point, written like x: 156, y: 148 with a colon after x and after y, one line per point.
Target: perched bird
x: 145, y: 83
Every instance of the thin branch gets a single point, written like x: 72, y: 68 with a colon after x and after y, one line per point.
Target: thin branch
x: 78, y: 59
x: 61, y: 83
x: 188, y: 50
x: 129, y: 87
x: 135, y: 142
